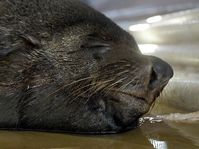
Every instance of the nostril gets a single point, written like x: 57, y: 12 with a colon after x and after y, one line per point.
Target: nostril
x: 160, y: 74
x: 153, y: 78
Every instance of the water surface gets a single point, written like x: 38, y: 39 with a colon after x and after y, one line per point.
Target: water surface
x: 150, y: 135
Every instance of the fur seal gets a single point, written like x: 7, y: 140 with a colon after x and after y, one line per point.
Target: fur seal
x: 66, y: 67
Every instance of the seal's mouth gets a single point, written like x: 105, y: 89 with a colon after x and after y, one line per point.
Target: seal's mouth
x: 130, y: 94
x: 147, y: 97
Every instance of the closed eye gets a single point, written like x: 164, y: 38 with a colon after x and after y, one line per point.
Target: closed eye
x: 96, y: 44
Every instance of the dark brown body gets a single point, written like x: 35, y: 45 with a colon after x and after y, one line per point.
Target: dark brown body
x: 66, y: 67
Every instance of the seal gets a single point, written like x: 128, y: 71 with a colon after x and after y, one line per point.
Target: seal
x: 65, y: 67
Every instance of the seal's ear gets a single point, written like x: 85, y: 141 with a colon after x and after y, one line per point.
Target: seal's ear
x: 23, y: 41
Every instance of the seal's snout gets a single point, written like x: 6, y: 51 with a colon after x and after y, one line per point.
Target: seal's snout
x: 161, y: 73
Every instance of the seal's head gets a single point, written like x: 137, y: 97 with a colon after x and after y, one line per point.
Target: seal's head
x: 69, y: 68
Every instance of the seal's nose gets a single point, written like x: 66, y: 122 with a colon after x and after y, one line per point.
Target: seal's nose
x: 161, y: 73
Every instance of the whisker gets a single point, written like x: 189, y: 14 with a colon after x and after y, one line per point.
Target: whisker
x: 97, y: 90
x: 94, y: 86
x: 111, y: 86
x: 122, y: 72
x: 81, y: 88
x: 119, y: 81
x: 125, y: 85
x: 81, y: 94
x: 101, y: 87
x: 64, y: 86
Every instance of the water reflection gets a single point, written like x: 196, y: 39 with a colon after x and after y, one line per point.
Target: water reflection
x: 158, y: 144
x: 172, y: 135
x: 46, y: 140
x: 150, y: 135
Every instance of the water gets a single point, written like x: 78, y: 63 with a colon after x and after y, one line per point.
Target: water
x: 159, y: 135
